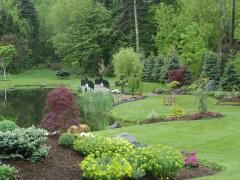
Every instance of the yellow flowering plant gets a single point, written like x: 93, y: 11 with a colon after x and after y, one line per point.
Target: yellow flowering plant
x: 99, y: 145
x: 106, y: 167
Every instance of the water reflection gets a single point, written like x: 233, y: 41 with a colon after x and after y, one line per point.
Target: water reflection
x: 24, y: 106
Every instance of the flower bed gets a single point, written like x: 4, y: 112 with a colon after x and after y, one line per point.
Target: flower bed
x: 189, y: 117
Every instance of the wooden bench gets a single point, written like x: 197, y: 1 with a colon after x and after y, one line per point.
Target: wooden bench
x: 170, y: 100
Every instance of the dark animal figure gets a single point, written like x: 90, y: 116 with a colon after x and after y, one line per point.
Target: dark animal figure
x: 61, y: 74
x: 87, y: 82
x: 102, y: 81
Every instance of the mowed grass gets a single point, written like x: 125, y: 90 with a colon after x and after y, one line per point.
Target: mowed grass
x: 215, y: 140
x: 140, y: 110
x: 36, y: 77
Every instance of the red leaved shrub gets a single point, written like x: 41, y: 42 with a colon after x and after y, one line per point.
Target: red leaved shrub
x: 180, y: 75
x: 62, y: 110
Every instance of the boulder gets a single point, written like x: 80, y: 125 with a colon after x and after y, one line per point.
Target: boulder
x: 114, y: 125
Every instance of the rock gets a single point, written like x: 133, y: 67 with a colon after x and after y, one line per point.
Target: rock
x: 114, y: 125
x: 128, y: 137
x: 131, y: 139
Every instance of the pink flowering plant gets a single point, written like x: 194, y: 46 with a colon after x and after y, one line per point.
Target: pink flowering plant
x: 191, y: 160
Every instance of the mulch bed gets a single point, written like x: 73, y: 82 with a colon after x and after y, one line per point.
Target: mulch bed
x: 63, y: 164
x: 190, y: 117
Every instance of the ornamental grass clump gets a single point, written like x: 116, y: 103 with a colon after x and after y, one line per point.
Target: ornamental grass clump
x: 95, y: 108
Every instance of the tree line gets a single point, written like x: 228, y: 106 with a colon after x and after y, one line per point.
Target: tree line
x: 80, y: 34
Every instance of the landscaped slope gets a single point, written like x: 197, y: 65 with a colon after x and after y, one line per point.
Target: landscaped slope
x: 215, y: 140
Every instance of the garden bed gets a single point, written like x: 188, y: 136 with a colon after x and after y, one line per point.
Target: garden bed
x: 63, y: 164
x: 190, y: 117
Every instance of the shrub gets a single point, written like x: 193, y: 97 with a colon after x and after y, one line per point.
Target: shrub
x: 135, y: 85
x: 181, y: 75
x: 219, y: 94
x: 230, y: 79
x: 210, y: 67
x: 7, y: 125
x: 79, y: 129
x: 106, y: 167
x: 95, y: 108
x: 62, y: 110
x: 173, y: 84
x: 99, y: 145
x: 126, y: 62
x: 39, y: 154
x: 177, y: 111
x: 163, y: 162
x: 169, y: 64
x: 66, y: 140
x: 21, y: 143
x: 7, y: 172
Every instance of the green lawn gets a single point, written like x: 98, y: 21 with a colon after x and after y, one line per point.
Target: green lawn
x: 140, y: 110
x: 216, y: 140
x: 47, y: 77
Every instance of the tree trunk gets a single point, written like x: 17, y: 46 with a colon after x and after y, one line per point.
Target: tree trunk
x: 232, y: 23
x: 4, y: 74
x: 136, y: 25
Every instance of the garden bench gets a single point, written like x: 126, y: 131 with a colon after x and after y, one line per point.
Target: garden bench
x: 170, y: 100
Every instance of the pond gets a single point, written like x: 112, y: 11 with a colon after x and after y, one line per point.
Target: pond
x: 23, y: 106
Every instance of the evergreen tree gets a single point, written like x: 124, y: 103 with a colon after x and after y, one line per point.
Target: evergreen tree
x: 149, y: 65
x: 230, y: 80
x: 210, y: 68
x: 171, y: 63
x: 157, y: 69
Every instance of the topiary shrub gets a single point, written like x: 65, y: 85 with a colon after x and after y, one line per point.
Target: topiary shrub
x: 8, y: 173
x: 7, y: 125
x: 66, y: 139
x: 62, y: 110
x: 106, y: 167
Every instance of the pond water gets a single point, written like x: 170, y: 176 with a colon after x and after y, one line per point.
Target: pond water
x: 23, y: 106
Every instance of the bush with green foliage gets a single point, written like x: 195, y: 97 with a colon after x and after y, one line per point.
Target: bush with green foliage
x: 8, y: 173
x: 126, y: 62
x: 22, y: 143
x: 94, y: 109
x: 171, y: 63
x: 152, y: 69
x: 106, y: 167
x: 176, y: 111
x: 173, y: 85
x: 7, y: 125
x: 99, y: 145
x: 66, y: 139
x: 210, y: 68
x: 135, y: 85
x: 201, y: 93
x: 160, y: 162
x: 230, y: 79
x: 39, y: 154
